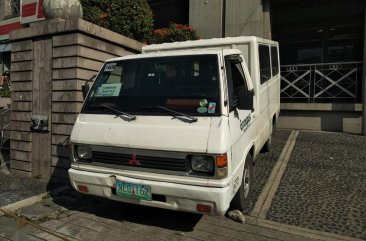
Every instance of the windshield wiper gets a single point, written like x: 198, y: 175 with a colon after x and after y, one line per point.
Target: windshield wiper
x: 121, y: 113
x: 192, y: 118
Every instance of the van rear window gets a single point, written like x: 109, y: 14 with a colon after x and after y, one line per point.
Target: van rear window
x: 274, y: 60
x: 264, y: 63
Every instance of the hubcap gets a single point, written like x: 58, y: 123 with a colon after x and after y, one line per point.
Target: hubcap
x: 246, y: 180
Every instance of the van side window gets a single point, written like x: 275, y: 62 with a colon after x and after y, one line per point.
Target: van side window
x: 235, y: 79
x: 264, y: 63
x: 274, y: 60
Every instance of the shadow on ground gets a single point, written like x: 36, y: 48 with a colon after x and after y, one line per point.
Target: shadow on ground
x: 118, y: 211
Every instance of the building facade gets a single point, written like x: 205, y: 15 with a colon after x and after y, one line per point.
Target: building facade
x: 15, y: 14
x: 322, y: 49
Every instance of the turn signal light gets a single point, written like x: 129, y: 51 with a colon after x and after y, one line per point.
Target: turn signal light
x: 203, y: 208
x: 221, y: 161
x: 83, y: 188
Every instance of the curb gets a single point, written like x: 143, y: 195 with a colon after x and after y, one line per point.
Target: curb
x: 296, y: 230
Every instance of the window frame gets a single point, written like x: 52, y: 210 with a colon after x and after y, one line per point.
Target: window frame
x: 274, y: 49
x: 230, y: 83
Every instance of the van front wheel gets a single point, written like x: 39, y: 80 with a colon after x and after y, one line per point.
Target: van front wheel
x: 243, y: 196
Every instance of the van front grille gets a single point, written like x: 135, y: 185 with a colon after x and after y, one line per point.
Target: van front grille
x: 160, y: 163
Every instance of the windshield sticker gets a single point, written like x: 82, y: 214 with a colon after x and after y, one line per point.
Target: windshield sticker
x: 202, y: 109
x: 203, y: 102
x: 211, y: 107
x: 110, y: 67
x: 108, y: 90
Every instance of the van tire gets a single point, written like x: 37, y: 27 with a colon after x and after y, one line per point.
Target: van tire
x: 243, y: 196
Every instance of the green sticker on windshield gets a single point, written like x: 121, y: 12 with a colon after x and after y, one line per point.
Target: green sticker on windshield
x: 202, y: 109
x: 203, y: 102
x: 106, y: 90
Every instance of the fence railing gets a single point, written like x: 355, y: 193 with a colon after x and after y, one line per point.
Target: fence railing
x: 327, y: 82
x: 12, y: 9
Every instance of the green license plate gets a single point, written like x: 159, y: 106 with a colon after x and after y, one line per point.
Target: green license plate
x: 131, y: 190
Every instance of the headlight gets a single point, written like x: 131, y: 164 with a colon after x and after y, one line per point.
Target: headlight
x: 202, y: 163
x: 84, y: 152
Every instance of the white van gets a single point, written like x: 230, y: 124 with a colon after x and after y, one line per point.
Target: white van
x: 178, y: 126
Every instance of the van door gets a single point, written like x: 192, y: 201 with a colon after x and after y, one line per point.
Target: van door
x: 239, y: 120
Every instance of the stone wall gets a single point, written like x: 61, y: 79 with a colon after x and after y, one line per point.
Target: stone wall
x: 51, y: 60
x: 335, y: 117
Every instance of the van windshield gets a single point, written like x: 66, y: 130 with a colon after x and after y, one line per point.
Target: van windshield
x: 186, y: 84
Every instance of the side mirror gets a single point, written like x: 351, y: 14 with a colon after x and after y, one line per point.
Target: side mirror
x: 85, y: 89
x: 245, y: 101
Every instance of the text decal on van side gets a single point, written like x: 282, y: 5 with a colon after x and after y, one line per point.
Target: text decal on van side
x: 245, y: 123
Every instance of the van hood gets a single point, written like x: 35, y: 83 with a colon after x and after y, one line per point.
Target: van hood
x: 146, y: 132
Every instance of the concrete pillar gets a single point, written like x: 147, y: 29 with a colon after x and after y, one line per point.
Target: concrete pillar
x: 2, y: 4
x: 247, y: 17
x: 364, y: 83
x: 5, y: 8
x: 230, y: 18
x: 206, y: 17
x: 267, y: 32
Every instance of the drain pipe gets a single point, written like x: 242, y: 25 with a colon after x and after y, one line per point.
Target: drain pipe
x: 364, y: 83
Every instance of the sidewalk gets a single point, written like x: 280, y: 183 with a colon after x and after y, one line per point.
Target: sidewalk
x: 311, y: 186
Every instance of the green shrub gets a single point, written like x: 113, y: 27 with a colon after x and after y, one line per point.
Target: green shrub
x: 131, y: 18
x: 5, y: 92
x: 174, y: 33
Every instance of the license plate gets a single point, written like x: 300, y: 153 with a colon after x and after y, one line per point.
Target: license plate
x: 131, y: 190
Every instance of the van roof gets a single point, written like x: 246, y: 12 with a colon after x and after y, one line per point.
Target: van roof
x: 209, y: 43
x: 168, y: 53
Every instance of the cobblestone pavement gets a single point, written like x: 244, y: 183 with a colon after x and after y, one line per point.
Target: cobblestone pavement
x: 324, y: 185
x: 264, y: 164
x: 13, y: 189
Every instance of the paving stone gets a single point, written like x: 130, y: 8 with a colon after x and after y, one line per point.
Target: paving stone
x: 324, y: 185
x: 14, y: 189
x: 53, y: 224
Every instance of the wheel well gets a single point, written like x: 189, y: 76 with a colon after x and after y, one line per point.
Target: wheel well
x: 274, y: 119
x: 251, y: 152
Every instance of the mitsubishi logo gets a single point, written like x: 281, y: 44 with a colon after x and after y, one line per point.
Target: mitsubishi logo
x: 133, y: 161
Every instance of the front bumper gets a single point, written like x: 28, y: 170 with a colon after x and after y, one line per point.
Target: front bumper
x: 177, y: 196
